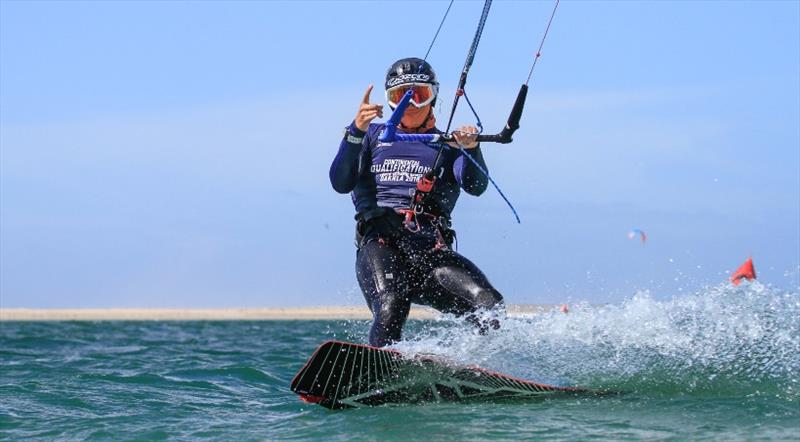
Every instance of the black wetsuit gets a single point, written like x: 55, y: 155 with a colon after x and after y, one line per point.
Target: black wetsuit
x: 395, y: 266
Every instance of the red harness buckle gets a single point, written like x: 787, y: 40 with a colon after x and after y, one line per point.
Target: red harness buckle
x: 425, y: 185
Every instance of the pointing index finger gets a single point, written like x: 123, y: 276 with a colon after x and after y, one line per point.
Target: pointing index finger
x: 366, y: 95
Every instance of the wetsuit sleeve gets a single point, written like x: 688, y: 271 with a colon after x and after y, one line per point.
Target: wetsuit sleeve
x: 469, y: 177
x: 344, y: 169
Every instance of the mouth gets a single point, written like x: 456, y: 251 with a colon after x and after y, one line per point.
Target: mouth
x: 413, y: 111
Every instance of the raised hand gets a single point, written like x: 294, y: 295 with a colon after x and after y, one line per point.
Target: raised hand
x: 367, y: 112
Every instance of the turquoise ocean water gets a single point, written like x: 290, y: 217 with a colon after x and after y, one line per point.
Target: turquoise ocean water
x: 720, y: 364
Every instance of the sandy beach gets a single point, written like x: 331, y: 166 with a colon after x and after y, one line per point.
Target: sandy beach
x: 223, y: 314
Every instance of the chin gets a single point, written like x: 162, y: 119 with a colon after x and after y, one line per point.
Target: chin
x: 412, y: 121
x: 414, y: 118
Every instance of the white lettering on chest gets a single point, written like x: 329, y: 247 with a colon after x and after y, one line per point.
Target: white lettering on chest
x: 409, y: 171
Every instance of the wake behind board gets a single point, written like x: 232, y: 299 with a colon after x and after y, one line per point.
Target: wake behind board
x: 345, y: 375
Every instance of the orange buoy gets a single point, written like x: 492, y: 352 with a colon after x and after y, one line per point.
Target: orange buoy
x: 746, y: 271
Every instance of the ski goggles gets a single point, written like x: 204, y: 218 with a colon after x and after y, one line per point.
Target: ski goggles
x: 424, y: 94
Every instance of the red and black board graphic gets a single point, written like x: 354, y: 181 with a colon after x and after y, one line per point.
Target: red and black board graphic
x: 345, y: 375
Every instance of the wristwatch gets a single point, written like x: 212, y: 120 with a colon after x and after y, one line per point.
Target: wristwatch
x: 352, y: 138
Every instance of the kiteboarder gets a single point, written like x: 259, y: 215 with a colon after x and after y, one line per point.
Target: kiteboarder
x: 405, y: 251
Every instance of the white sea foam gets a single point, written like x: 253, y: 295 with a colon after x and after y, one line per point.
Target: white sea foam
x: 723, y: 339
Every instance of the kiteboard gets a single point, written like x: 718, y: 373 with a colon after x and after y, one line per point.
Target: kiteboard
x: 345, y: 375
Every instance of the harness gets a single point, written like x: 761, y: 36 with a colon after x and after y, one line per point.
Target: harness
x: 386, y: 224
x: 445, y: 235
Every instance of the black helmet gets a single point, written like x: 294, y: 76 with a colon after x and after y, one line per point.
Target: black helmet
x: 410, y: 70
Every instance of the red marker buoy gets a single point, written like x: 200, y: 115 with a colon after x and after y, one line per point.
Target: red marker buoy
x: 564, y: 309
x: 746, y: 271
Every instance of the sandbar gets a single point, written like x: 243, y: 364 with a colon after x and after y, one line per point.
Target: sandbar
x: 224, y: 314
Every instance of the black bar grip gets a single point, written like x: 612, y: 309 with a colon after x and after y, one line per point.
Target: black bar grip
x: 516, y: 111
x: 491, y: 139
x: 504, y: 137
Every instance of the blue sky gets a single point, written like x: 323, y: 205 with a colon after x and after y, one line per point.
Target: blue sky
x: 175, y: 154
